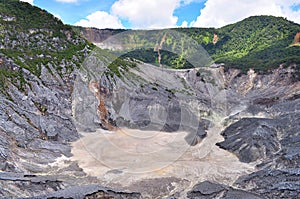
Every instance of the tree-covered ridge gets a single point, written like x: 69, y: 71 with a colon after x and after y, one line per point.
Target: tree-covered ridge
x: 31, y: 38
x: 259, y: 42
x: 25, y: 17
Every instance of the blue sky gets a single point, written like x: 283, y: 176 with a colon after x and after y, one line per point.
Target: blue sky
x: 148, y: 14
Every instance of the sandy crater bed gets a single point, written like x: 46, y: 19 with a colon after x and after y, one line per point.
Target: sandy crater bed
x: 128, y: 156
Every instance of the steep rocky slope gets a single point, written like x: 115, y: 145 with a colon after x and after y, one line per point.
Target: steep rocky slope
x: 65, y: 106
x: 38, y: 58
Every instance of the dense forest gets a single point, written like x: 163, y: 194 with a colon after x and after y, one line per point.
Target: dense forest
x: 259, y: 42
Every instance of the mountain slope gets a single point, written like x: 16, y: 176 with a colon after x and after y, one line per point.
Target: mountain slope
x: 38, y: 59
x: 34, y: 39
x: 260, y: 42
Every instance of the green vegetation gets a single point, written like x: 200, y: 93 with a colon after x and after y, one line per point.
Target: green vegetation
x: 114, y: 63
x: 4, y: 74
x: 260, y: 42
x: 168, y: 59
x: 123, y: 63
x: 43, y: 109
x: 33, y: 38
x: 31, y: 17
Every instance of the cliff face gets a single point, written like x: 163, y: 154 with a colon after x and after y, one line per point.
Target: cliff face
x: 95, y: 35
x: 297, y: 38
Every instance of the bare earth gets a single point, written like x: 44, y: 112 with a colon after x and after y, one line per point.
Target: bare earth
x: 128, y: 156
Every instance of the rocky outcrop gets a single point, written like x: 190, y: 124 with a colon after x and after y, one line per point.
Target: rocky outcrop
x: 95, y: 35
x: 37, y: 71
x: 101, y: 93
x: 297, y: 38
x: 268, y: 135
x: 139, y: 102
x: 215, y: 39
x: 206, y: 190
x: 90, y: 192
x: 252, y: 139
x: 272, y: 183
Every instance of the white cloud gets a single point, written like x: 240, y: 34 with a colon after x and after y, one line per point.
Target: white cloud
x: 184, y: 24
x: 186, y: 2
x: 28, y: 1
x: 217, y: 13
x: 147, y: 13
x: 101, y: 20
x: 57, y: 16
x: 67, y: 1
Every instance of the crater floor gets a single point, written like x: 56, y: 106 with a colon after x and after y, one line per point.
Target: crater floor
x: 128, y: 156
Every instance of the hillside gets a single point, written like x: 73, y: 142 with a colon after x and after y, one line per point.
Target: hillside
x: 38, y: 59
x: 260, y: 42
x: 34, y: 39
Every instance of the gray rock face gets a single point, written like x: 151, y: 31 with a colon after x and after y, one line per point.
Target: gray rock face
x: 36, y: 124
x: 91, y: 191
x: 251, y: 139
x: 279, y: 177
x: 3, y: 147
x: 273, y: 139
x: 273, y: 183
x: 144, y: 102
x: 206, y: 189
